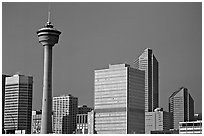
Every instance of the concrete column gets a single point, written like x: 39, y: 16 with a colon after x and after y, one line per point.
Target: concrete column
x: 46, y: 122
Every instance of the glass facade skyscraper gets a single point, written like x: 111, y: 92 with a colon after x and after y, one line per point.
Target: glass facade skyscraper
x: 119, y: 100
x: 181, y: 104
x: 148, y: 62
x: 18, y: 103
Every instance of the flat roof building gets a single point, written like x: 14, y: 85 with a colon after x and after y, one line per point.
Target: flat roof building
x: 18, y: 103
x: 158, y: 120
x: 36, y: 122
x: 119, y: 100
x: 65, y: 111
x: 190, y: 127
x: 82, y: 119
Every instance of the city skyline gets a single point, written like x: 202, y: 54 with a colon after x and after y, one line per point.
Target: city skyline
x: 114, y: 33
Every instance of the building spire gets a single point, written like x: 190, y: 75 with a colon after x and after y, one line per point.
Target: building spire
x: 48, y: 24
x: 49, y: 8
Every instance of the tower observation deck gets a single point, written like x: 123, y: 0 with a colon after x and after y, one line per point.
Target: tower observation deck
x: 48, y: 36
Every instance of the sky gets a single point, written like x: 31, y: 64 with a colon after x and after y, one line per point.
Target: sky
x: 95, y: 35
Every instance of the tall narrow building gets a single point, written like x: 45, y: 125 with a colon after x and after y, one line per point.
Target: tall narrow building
x: 181, y: 104
x: 148, y: 62
x: 119, y: 100
x: 3, y: 99
x: 64, y: 114
x: 18, y: 103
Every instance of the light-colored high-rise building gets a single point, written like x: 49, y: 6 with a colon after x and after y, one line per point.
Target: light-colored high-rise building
x: 65, y: 111
x: 119, y: 100
x: 18, y: 103
x: 148, y: 62
x: 158, y: 120
x: 181, y: 104
x: 3, y: 99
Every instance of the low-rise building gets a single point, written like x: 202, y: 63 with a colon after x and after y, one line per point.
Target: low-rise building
x: 82, y: 119
x: 158, y: 120
x: 190, y: 127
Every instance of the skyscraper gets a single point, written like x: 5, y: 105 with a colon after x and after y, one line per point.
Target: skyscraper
x: 181, y: 104
x: 119, y: 100
x: 65, y: 111
x: 3, y: 99
x: 48, y: 37
x: 18, y: 103
x: 148, y: 62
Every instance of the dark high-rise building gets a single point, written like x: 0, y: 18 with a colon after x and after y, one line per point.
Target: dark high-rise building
x: 181, y: 104
x: 18, y: 103
x: 148, y: 62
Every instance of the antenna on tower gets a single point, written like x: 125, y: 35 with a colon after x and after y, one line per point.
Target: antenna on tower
x: 48, y: 24
x: 49, y: 9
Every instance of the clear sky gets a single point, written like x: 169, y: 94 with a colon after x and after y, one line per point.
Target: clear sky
x: 95, y: 35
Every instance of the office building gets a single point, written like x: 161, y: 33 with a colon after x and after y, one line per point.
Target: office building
x: 148, y: 62
x: 181, y: 104
x: 36, y: 122
x: 158, y: 120
x: 65, y: 111
x: 119, y: 100
x: 190, y: 127
x: 3, y: 99
x: 91, y: 122
x: 48, y: 36
x: 18, y: 103
x: 82, y: 119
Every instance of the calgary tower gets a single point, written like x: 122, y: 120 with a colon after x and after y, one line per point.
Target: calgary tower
x: 48, y: 37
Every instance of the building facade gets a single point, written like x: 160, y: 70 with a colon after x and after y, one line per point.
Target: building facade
x: 91, y: 122
x: 119, y: 100
x: 181, y: 104
x: 158, y: 120
x: 3, y: 99
x: 190, y: 127
x: 148, y: 62
x: 64, y: 114
x: 36, y: 122
x: 82, y: 119
x: 18, y: 103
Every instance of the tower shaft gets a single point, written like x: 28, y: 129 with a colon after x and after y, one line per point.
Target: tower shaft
x: 46, y: 126
x: 48, y: 37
